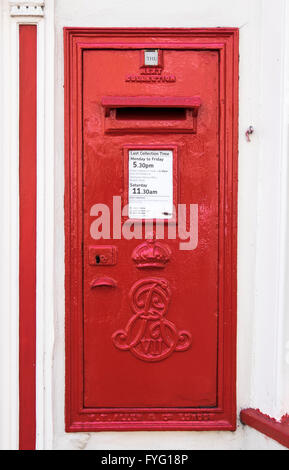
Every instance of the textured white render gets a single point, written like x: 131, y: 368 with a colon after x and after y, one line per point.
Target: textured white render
x: 263, y: 257
x: 26, y: 8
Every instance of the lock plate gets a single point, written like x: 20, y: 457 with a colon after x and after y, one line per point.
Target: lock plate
x: 102, y: 255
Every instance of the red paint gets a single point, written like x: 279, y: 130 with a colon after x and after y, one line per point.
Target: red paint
x: 151, y: 254
x: 103, y: 282
x: 149, y: 300
x: 118, y: 377
x: 279, y: 431
x: 162, y: 114
x: 150, y: 101
x: 27, y: 248
x: 102, y: 255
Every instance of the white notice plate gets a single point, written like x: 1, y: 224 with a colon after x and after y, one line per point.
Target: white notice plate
x: 150, y: 184
x: 151, y: 58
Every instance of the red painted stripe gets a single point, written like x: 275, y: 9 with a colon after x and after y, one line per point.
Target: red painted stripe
x: 279, y: 431
x: 27, y: 244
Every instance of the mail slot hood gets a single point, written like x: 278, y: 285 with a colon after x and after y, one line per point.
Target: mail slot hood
x: 151, y: 113
x: 151, y: 101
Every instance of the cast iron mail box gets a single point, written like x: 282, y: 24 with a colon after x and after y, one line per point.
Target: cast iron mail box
x: 151, y: 165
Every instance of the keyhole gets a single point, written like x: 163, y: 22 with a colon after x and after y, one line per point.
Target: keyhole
x: 97, y: 259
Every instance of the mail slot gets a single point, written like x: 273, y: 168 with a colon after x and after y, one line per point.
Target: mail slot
x: 150, y: 202
x: 151, y: 114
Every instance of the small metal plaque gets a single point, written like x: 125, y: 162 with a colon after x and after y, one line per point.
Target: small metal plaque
x: 103, y: 255
x: 151, y: 58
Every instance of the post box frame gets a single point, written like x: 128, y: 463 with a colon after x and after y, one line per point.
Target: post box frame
x: 223, y: 417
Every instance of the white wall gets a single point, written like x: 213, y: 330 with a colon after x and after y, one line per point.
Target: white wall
x: 261, y: 165
x: 8, y: 232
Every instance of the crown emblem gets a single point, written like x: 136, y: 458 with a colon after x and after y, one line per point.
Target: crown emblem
x: 151, y: 254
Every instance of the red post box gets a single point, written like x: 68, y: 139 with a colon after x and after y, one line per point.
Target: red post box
x: 151, y: 211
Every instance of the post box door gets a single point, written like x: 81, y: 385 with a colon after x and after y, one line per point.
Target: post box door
x: 150, y: 191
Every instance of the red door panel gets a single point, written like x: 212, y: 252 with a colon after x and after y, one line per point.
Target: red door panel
x: 114, y: 377
x: 150, y: 327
